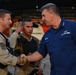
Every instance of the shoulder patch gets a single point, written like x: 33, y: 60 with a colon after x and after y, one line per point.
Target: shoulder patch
x: 2, y: 45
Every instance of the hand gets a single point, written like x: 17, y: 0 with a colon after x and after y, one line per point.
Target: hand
x: 19, y: 29
x: 36, y: 71
x: 39, y: 72
x: 22, y: 59
x: 23, y: 56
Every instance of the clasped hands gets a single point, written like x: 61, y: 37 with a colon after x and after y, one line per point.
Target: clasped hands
x: 22, y: 59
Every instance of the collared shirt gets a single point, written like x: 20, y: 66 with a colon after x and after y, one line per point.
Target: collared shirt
x: 61, y: 45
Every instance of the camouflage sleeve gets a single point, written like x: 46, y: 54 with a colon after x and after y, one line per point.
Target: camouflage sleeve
x: 37, y: 40
x: 5, y: 57
x: 37, y: 64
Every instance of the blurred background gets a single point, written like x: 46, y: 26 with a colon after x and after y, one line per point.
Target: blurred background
x: 23, y: 8
x: 30, y: 8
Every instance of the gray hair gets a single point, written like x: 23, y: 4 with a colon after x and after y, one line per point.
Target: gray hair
x: 50, y: 7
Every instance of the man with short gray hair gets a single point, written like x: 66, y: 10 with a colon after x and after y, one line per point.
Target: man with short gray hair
x: 59, y: 42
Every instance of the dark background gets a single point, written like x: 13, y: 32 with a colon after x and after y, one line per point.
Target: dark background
x: 25, y: 4
x: 18, y: 7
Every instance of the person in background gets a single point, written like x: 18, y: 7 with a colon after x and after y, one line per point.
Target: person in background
x: 6, y: 58
x: 27, y: 44
x: 59, y: 42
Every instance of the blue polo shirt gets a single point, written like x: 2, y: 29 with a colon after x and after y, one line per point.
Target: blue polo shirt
x: 60, y: 44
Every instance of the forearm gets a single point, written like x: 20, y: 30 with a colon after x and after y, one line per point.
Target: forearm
x: 12, y: 60
x: 36, y: 56
x: 14, y: 36
x: 8, y: 59
x: 13, y: 39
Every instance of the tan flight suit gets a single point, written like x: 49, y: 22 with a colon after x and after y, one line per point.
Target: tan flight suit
x: 5, y: 57
x: 27, y: 68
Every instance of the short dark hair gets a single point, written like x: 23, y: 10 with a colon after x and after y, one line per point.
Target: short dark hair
x: 50, y: 6
x: 3, y: 12
x: 26, y: 20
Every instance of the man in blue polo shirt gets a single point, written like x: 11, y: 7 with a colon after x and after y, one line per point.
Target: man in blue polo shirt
x: 59, y: 42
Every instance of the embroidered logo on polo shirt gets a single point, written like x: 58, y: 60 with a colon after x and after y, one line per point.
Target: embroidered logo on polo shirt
x: 65, y: 32
x: 46, y: 38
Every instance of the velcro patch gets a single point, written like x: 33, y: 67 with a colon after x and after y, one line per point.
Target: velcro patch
x: 3, y: 46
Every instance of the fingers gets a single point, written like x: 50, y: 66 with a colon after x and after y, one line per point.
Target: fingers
x: 40, y: 72
x: 19, y: 29
x: 22, y: 59
x: 23, y: 55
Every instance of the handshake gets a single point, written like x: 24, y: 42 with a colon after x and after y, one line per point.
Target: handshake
x: 22, y: 59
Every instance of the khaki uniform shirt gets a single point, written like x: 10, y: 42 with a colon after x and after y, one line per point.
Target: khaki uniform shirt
x: 5, y: 57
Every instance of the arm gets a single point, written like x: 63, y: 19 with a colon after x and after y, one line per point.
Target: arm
x: 14, y: 36
x: 5, y: 57
x: 8, y: 59
x: 36, y: 56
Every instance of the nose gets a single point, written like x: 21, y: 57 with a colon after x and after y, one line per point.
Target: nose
x: 42, y: 18
x: 10, y: 21
x: 31, y: 28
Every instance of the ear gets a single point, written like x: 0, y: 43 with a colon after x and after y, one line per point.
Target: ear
x: 52, y: 14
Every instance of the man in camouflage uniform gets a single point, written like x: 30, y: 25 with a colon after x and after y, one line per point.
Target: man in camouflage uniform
x: 27, y: 44
x: 6, y: 58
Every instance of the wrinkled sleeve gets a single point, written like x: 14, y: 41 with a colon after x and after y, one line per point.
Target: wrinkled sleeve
x: 5, y: 57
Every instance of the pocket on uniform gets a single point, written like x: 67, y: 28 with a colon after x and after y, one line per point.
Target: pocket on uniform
x: 67, y: 36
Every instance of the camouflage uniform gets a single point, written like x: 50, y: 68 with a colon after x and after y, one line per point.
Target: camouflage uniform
x: 29, y: 66
x: 5, y: 57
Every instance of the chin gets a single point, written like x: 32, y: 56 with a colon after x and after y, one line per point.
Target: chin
x: 47, y: 24
x: 8, y: 27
